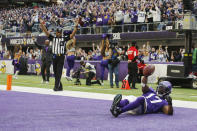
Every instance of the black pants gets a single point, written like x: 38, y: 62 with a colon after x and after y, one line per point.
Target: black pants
x: 58, y: 63
x: 132, y: 71
x: 45, y: 66
x: 90, y: 76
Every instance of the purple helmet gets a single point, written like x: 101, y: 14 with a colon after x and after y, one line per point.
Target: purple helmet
x: 164, y: 88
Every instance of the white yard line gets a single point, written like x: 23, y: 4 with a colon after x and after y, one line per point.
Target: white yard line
x: 100, y: 96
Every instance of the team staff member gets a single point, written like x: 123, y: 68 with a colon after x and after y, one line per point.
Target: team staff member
x: 132, y: 64
x: 46, y: 60
x: 58, y: 50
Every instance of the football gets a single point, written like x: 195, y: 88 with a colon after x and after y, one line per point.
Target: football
x: 148, y: 70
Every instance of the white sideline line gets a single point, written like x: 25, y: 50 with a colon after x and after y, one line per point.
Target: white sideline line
x: 100, y: 96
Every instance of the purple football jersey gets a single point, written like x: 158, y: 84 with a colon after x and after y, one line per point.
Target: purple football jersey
x: 154, y: 104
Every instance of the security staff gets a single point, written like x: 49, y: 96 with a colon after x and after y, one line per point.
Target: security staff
x: 132, y: 64
x: 59, y: 51
x: 46, y: 59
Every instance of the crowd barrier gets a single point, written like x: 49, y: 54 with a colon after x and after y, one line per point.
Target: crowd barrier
x: 34, y: 67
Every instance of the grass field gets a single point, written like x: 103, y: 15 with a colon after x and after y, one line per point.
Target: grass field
x: 35, y: 81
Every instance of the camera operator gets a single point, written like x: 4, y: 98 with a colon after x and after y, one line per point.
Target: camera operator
x: 113, y: 63
x: 90, y: 72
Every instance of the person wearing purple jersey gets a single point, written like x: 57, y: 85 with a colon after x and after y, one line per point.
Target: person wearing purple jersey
x: 150, y: 102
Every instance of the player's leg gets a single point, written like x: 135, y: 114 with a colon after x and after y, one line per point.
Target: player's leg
x: 137, y: 104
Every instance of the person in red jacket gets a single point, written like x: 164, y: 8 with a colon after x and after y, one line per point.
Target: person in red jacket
x: 132, y: 53
x: 140, y: 66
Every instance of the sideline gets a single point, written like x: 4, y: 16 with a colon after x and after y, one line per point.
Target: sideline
x: 100, y: 96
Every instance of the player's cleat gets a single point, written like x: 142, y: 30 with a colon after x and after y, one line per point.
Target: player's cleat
x: 115, y: 103
x: 116, y: 112
x: 47, y: 82
x: 102, y: 83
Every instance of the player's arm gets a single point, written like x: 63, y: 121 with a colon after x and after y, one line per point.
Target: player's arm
x: 168, y: 109
x: 44, y: 28
x: 36, y: 43
x: 75, y: 30
x: 145, y: 87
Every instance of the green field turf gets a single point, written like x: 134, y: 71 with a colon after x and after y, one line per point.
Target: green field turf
x: 35, y: 81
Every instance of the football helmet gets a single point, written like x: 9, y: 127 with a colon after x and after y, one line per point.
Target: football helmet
x: 164, y: 88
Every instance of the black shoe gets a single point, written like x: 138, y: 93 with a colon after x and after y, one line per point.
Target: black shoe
x: 134, y: 88
x: 116, y: 111
x: 58, y: 89
x: 99, y: 82
x: 115, y: 103
x: 111, y: 86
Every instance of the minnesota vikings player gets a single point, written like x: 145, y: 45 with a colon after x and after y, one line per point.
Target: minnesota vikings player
x: 150, y: 102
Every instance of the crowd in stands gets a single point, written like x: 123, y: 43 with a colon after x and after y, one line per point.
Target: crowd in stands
x: 95, y: 14
x: 146, y: 53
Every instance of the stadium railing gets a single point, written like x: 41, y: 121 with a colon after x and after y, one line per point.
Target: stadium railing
x: 124, y: 28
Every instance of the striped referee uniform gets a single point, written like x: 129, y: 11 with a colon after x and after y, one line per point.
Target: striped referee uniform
x: 58, y: 50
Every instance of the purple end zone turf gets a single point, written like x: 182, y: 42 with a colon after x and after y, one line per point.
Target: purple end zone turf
x: 27, y: 112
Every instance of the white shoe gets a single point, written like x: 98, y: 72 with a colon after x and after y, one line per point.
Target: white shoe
x: 47, y: 82
x: 15, y: 77
x: 102, y: 83
x: 69, y: 78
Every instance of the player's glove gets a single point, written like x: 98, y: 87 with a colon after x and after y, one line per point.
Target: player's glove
x: 168, y: 99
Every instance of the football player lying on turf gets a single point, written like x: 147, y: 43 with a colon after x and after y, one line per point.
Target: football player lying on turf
x: 149, y: 102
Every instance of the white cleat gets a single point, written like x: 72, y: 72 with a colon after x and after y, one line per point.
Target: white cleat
x: 69, y: 78
x: 47, y: 82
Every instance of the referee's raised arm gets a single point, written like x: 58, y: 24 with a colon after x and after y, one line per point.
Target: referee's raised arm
x: 44, y: 28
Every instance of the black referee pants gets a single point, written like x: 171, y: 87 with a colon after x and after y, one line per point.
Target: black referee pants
x: 45, y: 66
x: 132, y: 71
x: 58, y: 63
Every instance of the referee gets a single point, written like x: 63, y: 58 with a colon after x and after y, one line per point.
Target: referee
x: 59, y: 51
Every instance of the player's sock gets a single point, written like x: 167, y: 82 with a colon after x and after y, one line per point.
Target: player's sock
x: 123, y: 103
x: 139, y: 101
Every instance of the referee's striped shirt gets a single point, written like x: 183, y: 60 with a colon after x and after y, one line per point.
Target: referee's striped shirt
x: 59, y: 44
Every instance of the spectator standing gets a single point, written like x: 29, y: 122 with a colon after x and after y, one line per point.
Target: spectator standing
x: 46, y: 60
x: 132, y: 64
